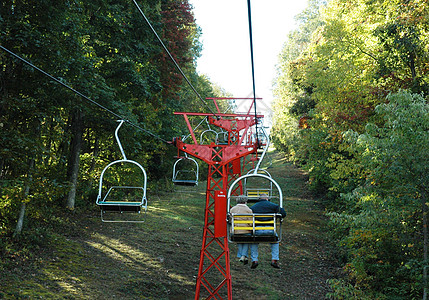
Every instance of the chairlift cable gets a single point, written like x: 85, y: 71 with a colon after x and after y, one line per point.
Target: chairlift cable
x: 82, y: 95
x: 249, y: 13
x: 172, y: 58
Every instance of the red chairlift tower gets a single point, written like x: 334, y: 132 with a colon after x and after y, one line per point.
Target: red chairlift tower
x: 226, y: 161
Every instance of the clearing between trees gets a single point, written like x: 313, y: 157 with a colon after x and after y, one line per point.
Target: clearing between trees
x: 79, y: 257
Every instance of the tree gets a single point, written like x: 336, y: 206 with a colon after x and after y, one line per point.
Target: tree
x: 390, y: 210
x: 360, y: 52
x: 107, y: 52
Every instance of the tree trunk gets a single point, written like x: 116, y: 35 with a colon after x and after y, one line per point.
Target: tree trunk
x: 63, y: 149
x: 20, y: 223
x: 94, y: 154
x: 74, y: 156
x: 1, y: 168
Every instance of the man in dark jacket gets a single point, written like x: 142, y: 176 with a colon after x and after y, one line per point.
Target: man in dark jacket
x: 264, y: 206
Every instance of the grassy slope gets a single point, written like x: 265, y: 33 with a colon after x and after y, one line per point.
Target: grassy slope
x: 83, y: 258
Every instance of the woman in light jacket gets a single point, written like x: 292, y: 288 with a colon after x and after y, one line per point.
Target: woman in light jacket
x: 242, y: 208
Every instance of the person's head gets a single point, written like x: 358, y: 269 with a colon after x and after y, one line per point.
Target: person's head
x: 241, y: 199
x: 264, y: 197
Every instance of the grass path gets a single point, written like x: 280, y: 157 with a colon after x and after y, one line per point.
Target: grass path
x: 82, y: 258
x: 305, y: 257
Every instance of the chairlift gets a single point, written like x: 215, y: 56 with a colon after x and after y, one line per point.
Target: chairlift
x: 261, y: 152
x: 254, y: 190
x: 269, y: 222
x: 122, y: 198
x: 222, y: 138
x: 183, y: 174
x: 205, y: 132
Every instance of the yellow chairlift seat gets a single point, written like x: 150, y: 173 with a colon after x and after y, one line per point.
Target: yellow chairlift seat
x: 254, y: 193
x: 266, y: 231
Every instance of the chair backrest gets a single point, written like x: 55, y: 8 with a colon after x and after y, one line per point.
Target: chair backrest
x: 254, y: 194
x: 255, y: 228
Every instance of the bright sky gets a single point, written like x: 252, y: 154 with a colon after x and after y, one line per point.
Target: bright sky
x: 226, y: 47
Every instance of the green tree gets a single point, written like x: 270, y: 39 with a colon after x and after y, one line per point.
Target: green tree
x: 360, y: 52
x: 55, y: 143
x: 389, y: 216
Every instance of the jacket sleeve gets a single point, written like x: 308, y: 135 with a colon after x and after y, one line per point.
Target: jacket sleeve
x: 282, y: 211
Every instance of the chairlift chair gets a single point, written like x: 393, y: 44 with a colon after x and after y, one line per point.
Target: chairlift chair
x: 186, y: 177
x: 270, y: 223
x: 115, y: 199
x: 222, y: 138
x: 205, y: 132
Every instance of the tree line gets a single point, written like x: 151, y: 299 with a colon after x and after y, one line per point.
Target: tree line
x: 352, y: 108
x: 54, y: 143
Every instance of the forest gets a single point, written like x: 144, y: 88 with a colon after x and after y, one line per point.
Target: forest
x: 352, y: 109
x: 54, y: 142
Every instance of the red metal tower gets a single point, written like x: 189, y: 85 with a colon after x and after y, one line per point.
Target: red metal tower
x: 224, y: 166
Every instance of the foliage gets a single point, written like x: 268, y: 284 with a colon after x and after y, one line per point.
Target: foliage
x: 106, y: 51
x: 380, y: 232
x: 356, y: 88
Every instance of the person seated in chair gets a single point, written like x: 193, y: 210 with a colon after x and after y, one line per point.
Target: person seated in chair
x: 265, y: 206
x: 242, y: 208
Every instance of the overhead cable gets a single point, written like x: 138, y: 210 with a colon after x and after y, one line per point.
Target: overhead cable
x: 82, y: 95
x: 172, y: 58
x: 249, y: 13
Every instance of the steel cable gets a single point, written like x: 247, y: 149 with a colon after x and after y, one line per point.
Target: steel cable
x: 83, y: 96
x: 249, y: 13
x: 172, y: 58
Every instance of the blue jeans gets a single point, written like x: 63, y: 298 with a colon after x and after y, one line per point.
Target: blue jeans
x: 275, y: 251
x: 275, y: 247
x: 243, y: 249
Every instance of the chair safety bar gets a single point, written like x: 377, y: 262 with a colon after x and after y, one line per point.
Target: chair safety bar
x: 231, y: 188
x: 273, y: 226
x: 100, y: 187
x: 258, y: 221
